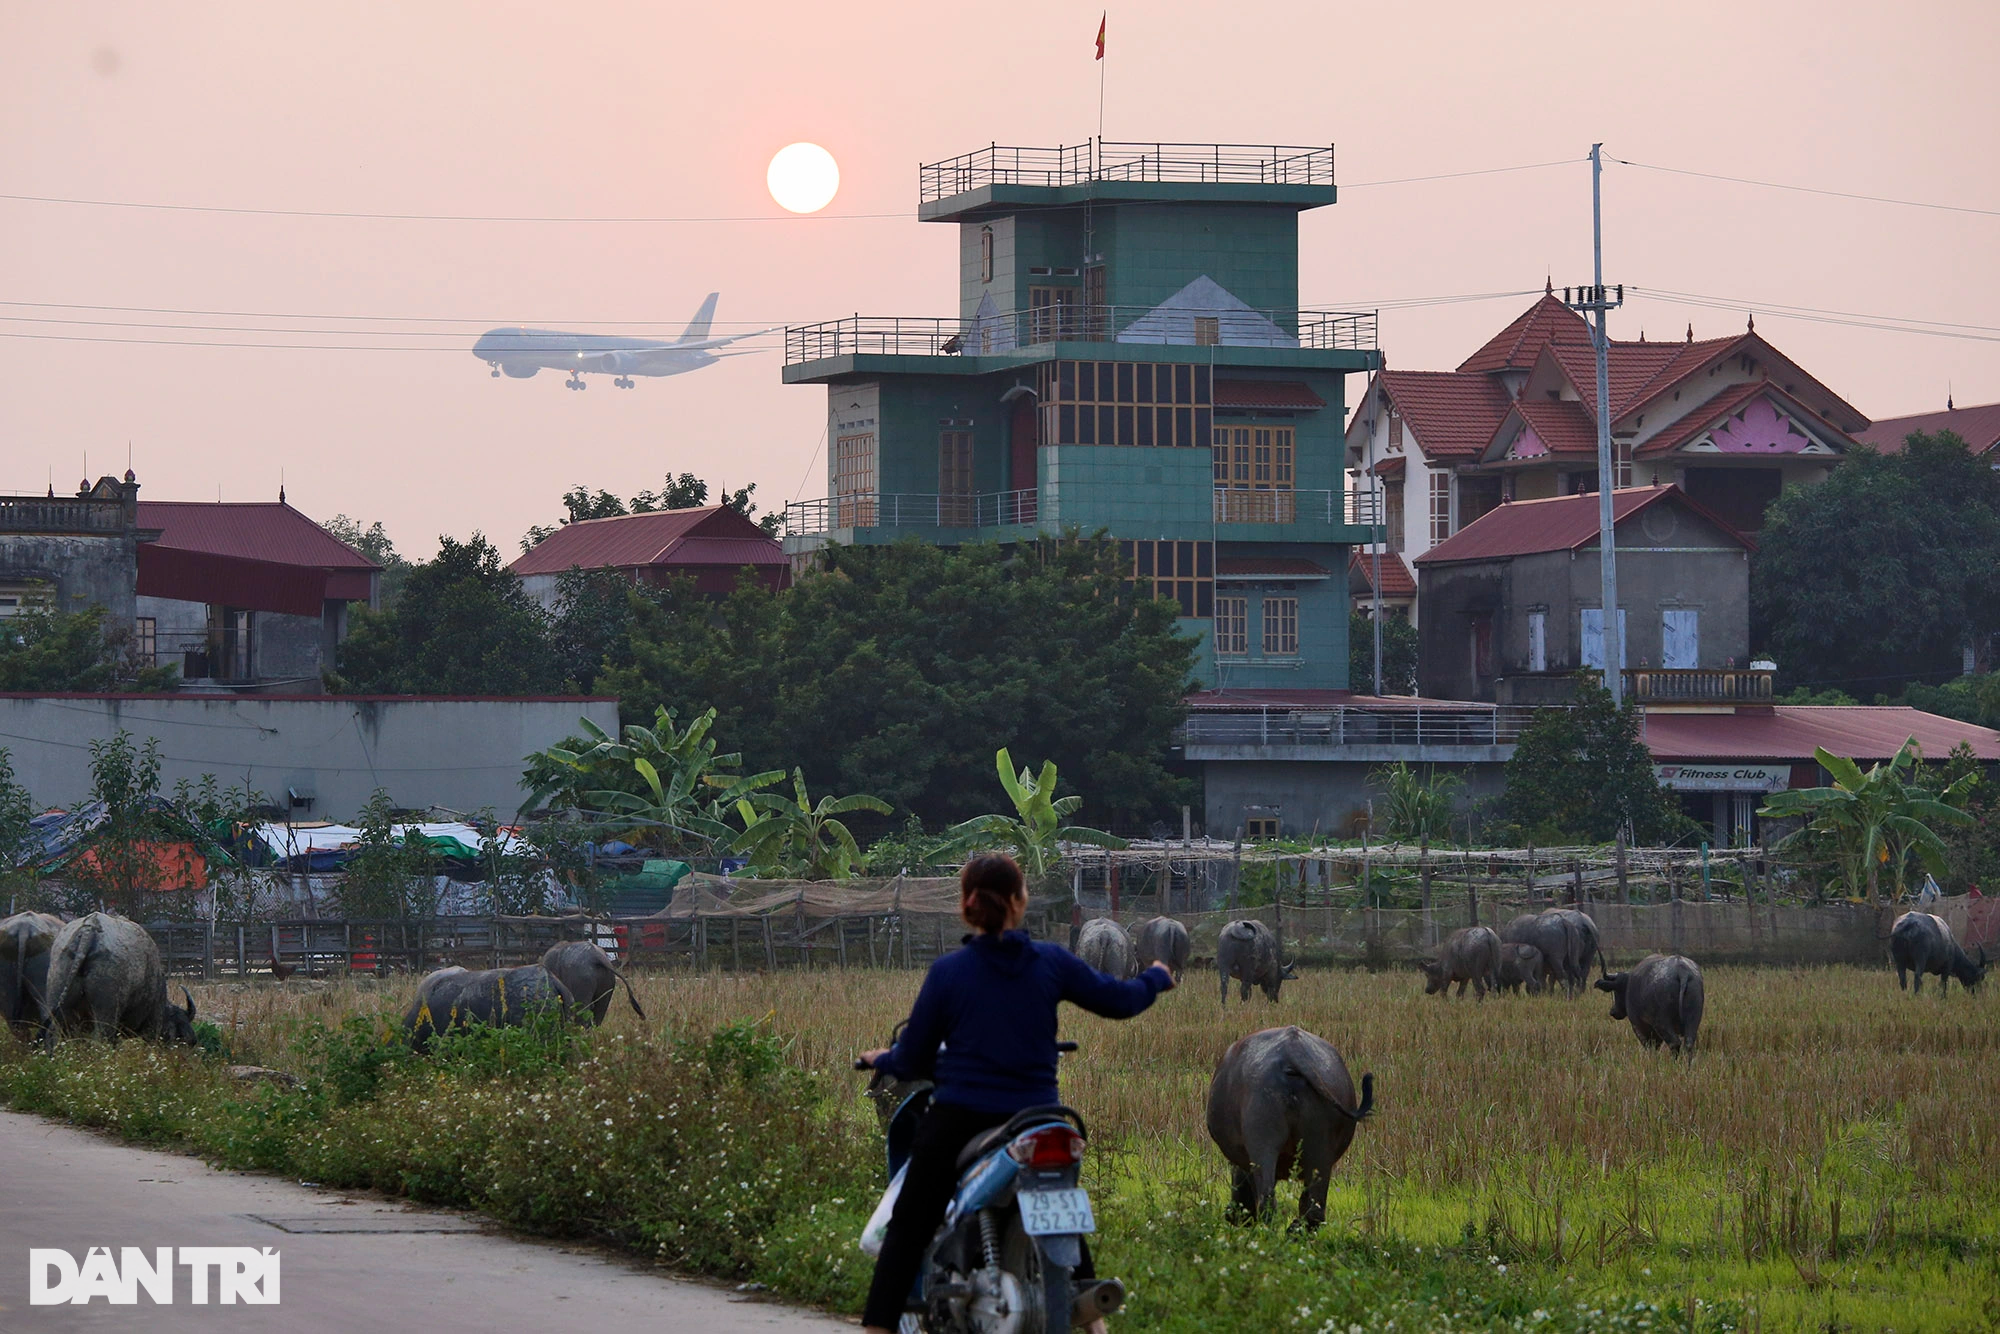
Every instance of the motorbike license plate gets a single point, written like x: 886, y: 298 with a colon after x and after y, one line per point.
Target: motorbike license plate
x: 1049, y: 1212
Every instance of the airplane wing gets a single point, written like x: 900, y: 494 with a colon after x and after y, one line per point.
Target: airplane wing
x: 706, y: 344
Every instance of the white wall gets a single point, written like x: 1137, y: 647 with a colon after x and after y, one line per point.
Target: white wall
x: 461, y: 754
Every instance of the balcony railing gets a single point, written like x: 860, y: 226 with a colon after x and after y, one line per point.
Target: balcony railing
x: 1232, y: 506
x: 806, y: 518
x: 61, y: 514
x: 1102, y: 160
x: 1011, y: 331
x: 1360, y: 725
x: 1678, y: 685
x: 1364, y: 509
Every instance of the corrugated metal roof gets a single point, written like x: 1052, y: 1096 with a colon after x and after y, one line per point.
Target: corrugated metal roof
x: 1288, y: 395
x: 1565, y: 523
x: 726, y: 551
x: 634, y: 540
x: 1790, y: 732
x: 1978, y: 426
x: 269, y: 531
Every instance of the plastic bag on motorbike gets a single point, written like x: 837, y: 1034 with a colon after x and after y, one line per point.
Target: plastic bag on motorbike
x: 878, y: 1222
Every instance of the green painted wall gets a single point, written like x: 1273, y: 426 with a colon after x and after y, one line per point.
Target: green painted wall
x: 1152, y: 251
x: 911, y: 415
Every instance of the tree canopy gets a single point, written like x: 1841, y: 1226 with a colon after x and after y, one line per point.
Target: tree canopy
x: 374, y: 543
x: 1399, y: 654
x: 1581, y: 774
x: 1882, y: 573
x: 686, y: 491
x: 73, y: 650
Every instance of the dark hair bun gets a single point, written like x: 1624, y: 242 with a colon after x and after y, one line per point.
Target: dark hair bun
x: 987, y: 888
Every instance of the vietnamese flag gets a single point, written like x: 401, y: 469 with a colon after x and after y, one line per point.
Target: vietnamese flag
x: 1100, y: 34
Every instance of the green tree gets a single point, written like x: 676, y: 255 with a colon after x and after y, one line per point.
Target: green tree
x: 392, y: 873
x: 1883, y: 572
x: 18, y: 874
x: 120, y: 860
x: 374, y: 543
x: 1581, y: 774
x: 591, y: 625
x: 796, y: 836
x: 1399, y: 654
x: 463, y: 626
x: 1875, y: 820
x: 1971, y: 699
x: 60, y: 651
x: 686, y: 491
x: 1035, y: 831
x: 1416, y: 805
x: 1972, y: 848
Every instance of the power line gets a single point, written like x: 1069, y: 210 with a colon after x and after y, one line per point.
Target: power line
x: 317, y: 347
x: 484, y: 321
x: 1455, y: 175
x: 1885, y: 324
x: 1812, y: 190
x: 1778, y: 307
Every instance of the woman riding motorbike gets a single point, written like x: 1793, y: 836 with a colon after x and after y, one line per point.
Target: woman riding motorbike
x: 992, y: 1007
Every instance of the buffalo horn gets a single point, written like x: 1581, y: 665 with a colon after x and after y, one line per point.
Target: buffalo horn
x: 189, y: 995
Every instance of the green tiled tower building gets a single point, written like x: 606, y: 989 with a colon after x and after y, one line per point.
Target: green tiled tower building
x: 1128, y: 356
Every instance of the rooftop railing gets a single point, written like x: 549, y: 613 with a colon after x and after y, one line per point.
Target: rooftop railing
x: 1010, y: 331
x: 1414, y: 724
x: 1680, y: 685
x: 995, y: 509
x: 61, y: 514
x: 1106, y: 160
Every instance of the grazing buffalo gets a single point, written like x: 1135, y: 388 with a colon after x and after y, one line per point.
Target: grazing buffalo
x: 1547, y: 934
x: 1248, y: 950
x: 1104, y: 945
x: 106, y: 978
x: 1580, y: 942
x: 1472, y: 954
x: 1162, y: 940
x: 25, y: 940
x: 1662, y: 996
x: 453, y: 998
x: 590, y: 976
x: 1281, y: 1097
x: 1922, y: 943
x: 1520, y: 967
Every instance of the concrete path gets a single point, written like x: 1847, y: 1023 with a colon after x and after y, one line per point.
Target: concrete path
x: 347, y: 1262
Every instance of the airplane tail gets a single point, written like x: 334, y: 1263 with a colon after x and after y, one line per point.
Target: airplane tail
x: 698, y: 326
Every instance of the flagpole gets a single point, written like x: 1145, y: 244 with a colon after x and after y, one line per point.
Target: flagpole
x: 1103, y: 21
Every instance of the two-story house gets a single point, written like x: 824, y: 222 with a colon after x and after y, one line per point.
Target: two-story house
x: 1128, y: 357
x: 1730, y: 421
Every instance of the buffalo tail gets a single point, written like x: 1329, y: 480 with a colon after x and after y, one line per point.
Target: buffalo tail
x: 630, y: 995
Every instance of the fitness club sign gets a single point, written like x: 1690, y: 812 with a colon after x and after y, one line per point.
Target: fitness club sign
x: 231, y: 1273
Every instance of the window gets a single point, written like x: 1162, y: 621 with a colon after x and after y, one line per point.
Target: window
x: 1182, y: 572
x: 1482, y: 646
x: 1097, y: 318
x: 1593, y: 638
x: 1207, y: 330
x: 1254, y: 474
x: 1440, y: 506
x: 26, y: 595
x: 955, y: 499
x: 1622, y: 469
x: 985, y: 254
x: 1232, y: 627
x: 146, y: 640
x: 1281, y: 627
x: 1260, y: 826
x: 1052, y: 314
x: 1538, y: 641
x: 1392, y: 501
x: 1395, y: 429
x: 1680, y: 639
x: 854, y: 480
x: 1123, y: 402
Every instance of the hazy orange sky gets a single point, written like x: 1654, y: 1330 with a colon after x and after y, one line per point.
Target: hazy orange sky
x: 674, y: 110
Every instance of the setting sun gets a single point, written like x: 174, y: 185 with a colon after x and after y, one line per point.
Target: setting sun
x: 803, y: 178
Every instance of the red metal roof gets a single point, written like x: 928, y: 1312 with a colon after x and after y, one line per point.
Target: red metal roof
x: 1790, y: 731
x: 1516, y: 346
x: 631, y: 541
x: 251, y: 530
x: 1565, y: 523
x: 1397, y: 581
x: 1453, y: 415
x: 1286, y: 395
x: 725, y: 551
x: 1978, y: 426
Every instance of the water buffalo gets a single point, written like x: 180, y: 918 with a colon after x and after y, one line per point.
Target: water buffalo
x: 1281, y: 1097
x: 1662, y: 996
x: 1922, y: 943
x: 106, y: 978
x: 1248, y: 950
x: 1162, y: 940
x: 1548, y: 934
x: 453, y: 998
x: 1471, y: 954
x: 25, y: 939
x: 1520, y: 966
x: 590, y: 976
x: 1580, y: 940
x: 1104, y: 945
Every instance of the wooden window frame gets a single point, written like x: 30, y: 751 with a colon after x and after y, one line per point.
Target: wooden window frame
x: 855, y: 480
x: 985, y: 254
x: 1280, y: 629
x: 1440, y: 507
x: 1102, y: 403
x: 1174, y: 571
x: 1254, y: 472
x: 1232, y: 626
x: 957, y: 498
x: 1392, y: 517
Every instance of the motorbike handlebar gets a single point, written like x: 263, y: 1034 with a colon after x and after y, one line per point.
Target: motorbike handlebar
x: 1062, y: 1048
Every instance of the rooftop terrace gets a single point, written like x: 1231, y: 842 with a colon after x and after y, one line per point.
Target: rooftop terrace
x: 1296, y: 174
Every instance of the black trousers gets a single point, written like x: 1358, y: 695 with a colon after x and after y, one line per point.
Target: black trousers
x: 926, y: 1194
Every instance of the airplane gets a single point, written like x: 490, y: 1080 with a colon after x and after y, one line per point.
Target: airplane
x: 519, y: 353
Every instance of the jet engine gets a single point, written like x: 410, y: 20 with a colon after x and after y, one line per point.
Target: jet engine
x: 520, y: 370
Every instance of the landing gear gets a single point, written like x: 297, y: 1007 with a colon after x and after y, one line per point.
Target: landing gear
x: 623, y: 382
x: 496, y: 368
x: 576, y: 382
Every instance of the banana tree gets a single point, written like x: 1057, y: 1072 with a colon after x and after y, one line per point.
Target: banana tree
x: 1874, y: 818
x: 797, y: 836
x: 1035, y: 831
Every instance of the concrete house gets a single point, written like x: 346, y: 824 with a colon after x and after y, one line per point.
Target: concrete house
x: 1511, y: 605
x: 1128, y: 355
x: 66, y: 553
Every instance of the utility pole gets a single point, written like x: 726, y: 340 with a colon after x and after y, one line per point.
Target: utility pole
x: 1380, y: 533
x: 1597, y: 300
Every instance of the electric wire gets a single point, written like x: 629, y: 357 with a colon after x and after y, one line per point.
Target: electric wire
x: 1812, y: 189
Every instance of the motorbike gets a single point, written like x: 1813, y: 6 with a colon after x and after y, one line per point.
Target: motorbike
x: 1002, y: 1259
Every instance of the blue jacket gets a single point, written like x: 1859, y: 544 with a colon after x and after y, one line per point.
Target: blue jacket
x: 992, y: 1007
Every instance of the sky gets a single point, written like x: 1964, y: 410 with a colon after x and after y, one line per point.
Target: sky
x: 621, y: 110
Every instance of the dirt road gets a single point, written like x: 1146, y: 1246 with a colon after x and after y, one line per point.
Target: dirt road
x: 346, y: 1263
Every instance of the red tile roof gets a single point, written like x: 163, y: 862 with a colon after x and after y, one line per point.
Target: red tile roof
x: 1790, y: 731
x: 1516, y: 346
x: 1390, y: 467
x: 1452, y: 414
x: 1978, y: 426
x: 250, y: 530
x: 1637, y: 370
x: 1564, y: 523
x: 1397, y: 581
x: 1268, y: 567
x: 634, y: 540
x: 1564, y: 427
x: 1285, y: 395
